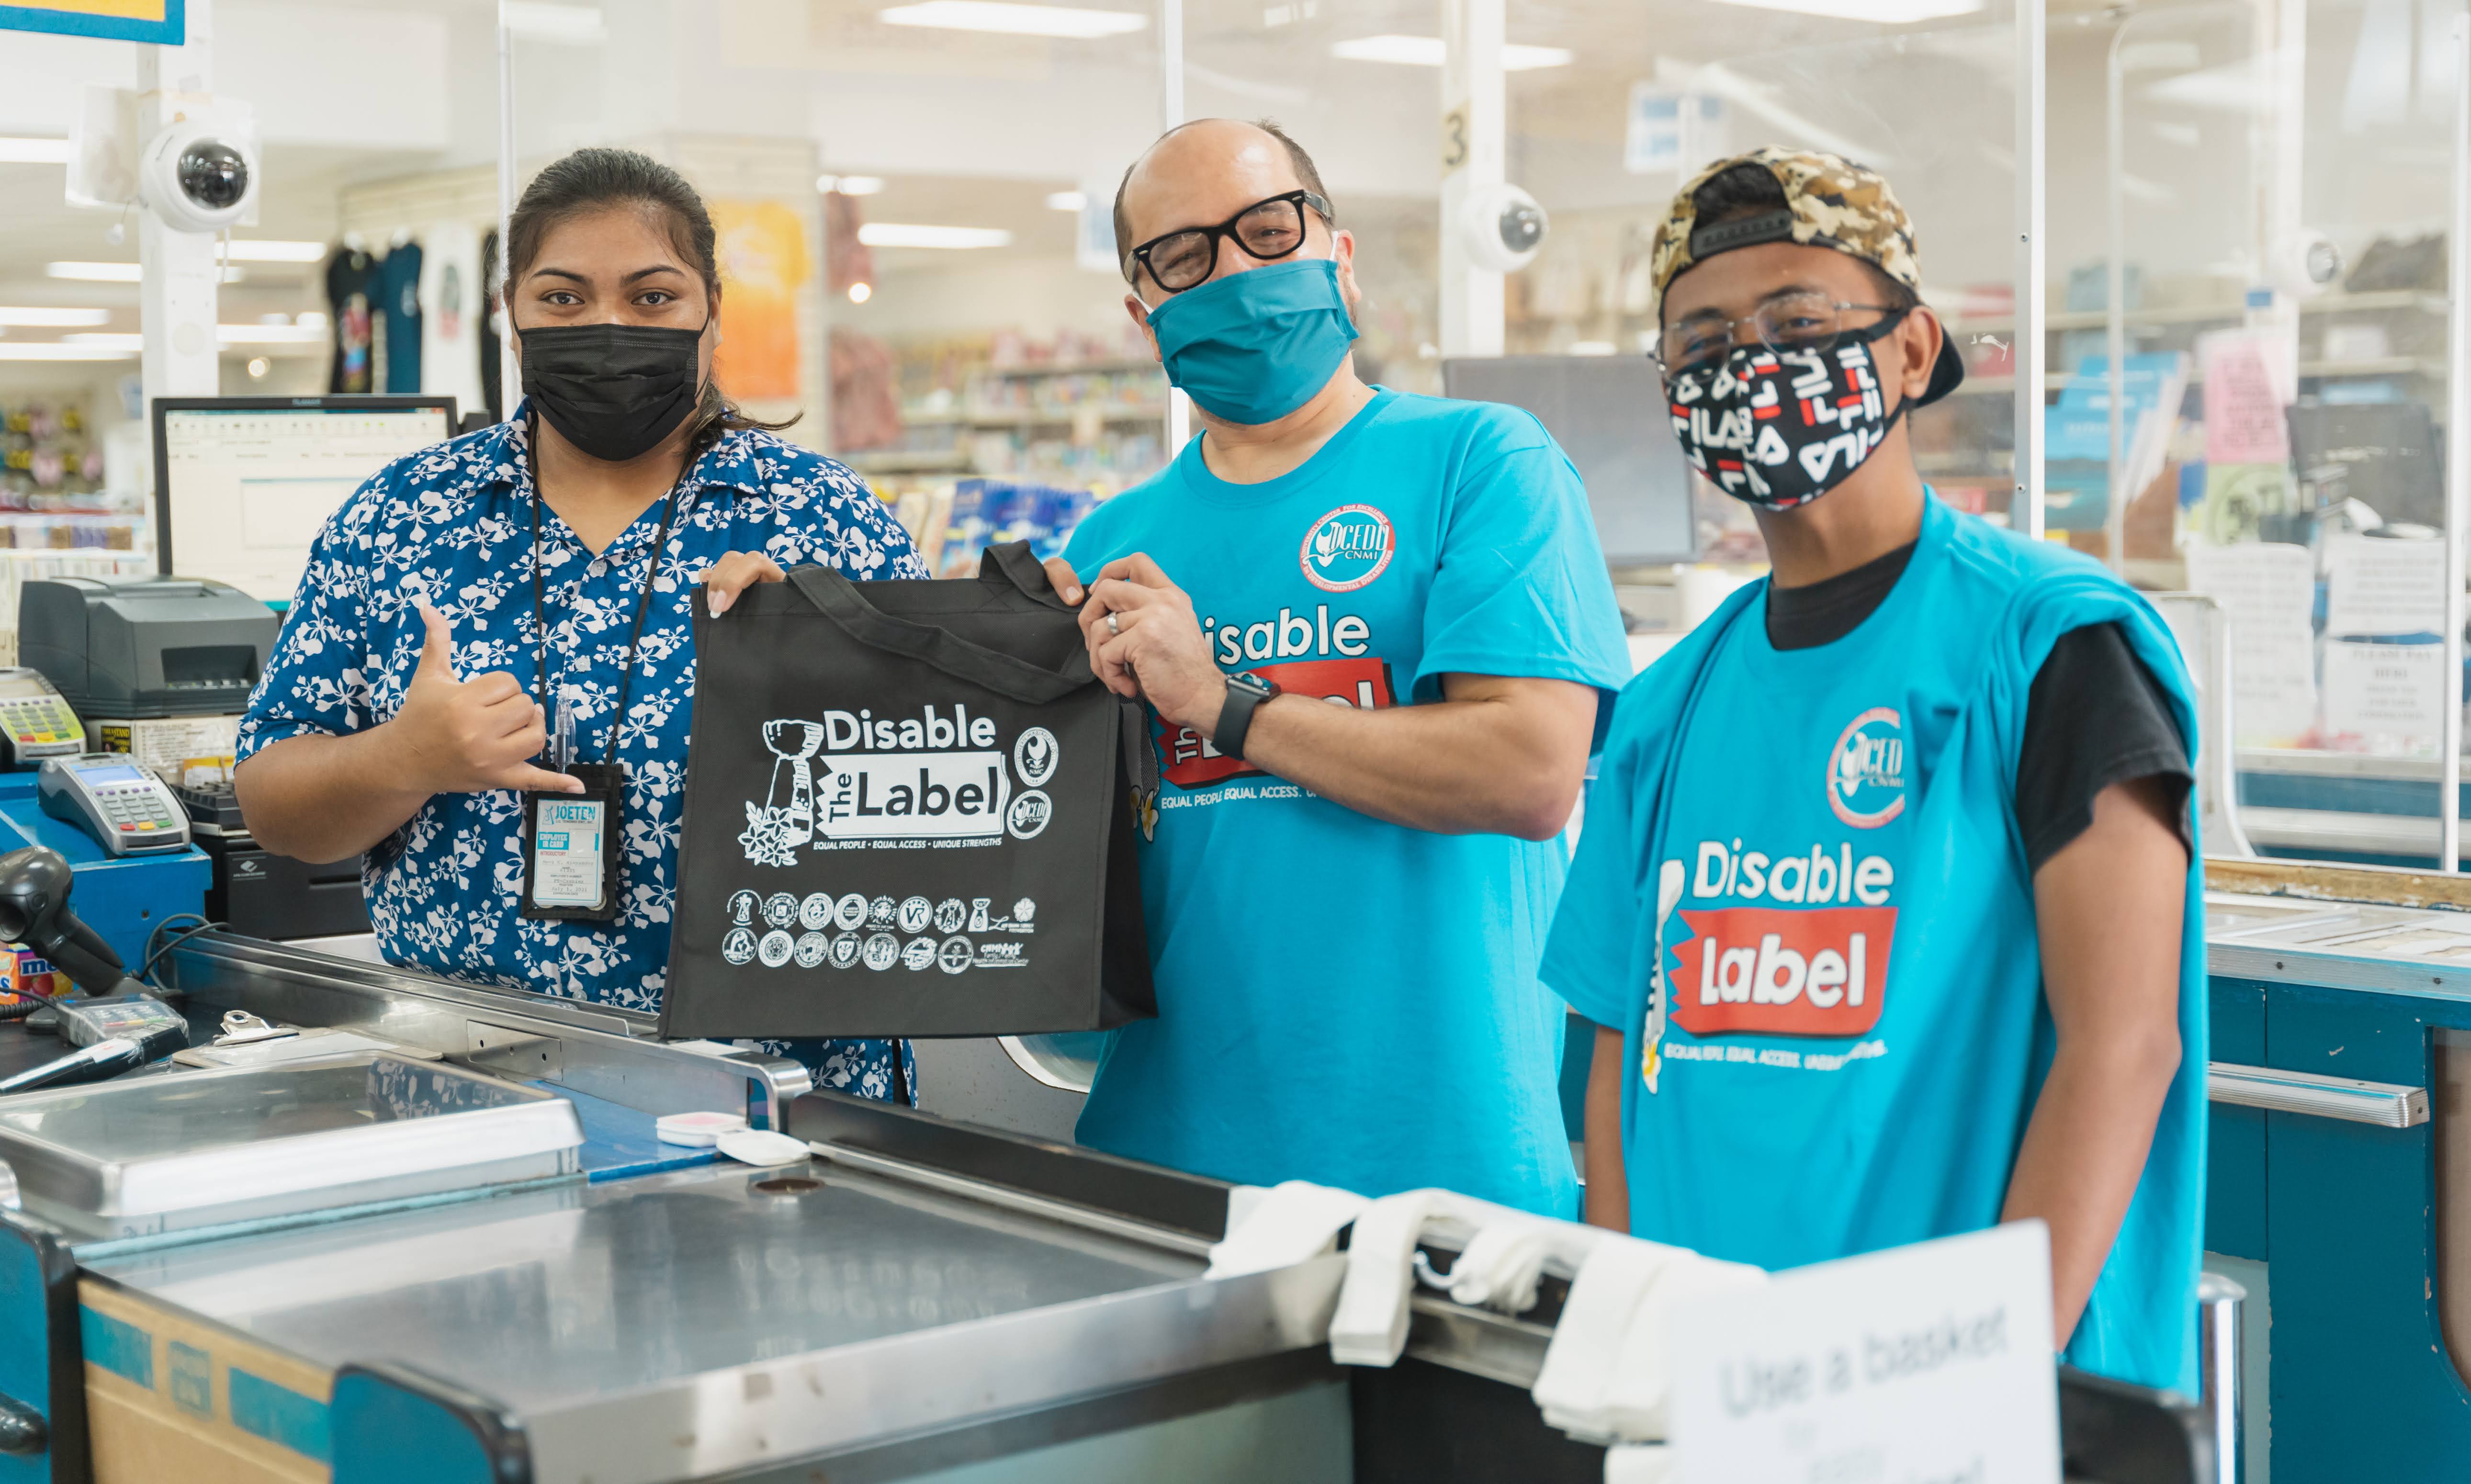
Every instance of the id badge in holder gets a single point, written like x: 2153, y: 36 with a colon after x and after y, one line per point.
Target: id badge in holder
x: 572, y: 843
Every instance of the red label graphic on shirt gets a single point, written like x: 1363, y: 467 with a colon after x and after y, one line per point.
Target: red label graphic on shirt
x: 1187, y: 760
x: 1776, y: 971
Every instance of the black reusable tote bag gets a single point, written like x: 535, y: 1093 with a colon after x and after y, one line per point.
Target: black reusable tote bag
x: 909, y: 812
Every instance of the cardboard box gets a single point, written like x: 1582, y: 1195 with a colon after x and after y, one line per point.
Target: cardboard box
x: 180, y: 749
x: 22, y: 969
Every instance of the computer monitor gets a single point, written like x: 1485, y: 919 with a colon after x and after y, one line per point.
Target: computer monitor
x: 1609, y: 415
x: 242, y: 484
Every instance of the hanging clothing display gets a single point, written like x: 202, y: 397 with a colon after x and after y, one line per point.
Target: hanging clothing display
x: 452, y: 314
x: 399, y: 300
x: 491, y: 392
x: 352, y: 283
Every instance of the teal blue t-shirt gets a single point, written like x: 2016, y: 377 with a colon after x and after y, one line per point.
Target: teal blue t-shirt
x: 1342, y: 999
x: 1818, y: 849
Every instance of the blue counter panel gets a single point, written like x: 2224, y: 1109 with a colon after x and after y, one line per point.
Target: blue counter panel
x: 2235, y: 1136
x: 2363, y: 1385
x: 2414, y: 796
x: 124, y: 900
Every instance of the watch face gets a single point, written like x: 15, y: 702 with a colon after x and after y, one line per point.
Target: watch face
x: 1253, y: 683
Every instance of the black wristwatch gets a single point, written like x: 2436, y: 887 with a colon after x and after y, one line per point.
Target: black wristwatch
x: 1244, y: 695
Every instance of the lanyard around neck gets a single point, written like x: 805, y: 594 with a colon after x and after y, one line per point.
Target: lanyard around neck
x: 634, y: 633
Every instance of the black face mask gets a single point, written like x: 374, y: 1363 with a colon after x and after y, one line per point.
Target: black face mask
x: 615, y: 390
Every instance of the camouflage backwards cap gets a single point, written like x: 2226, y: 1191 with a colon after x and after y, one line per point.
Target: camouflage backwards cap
x: 1829, y: 202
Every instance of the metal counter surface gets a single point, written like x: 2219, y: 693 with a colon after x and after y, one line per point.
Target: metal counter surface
x: 551, y: 1297
x: 698, y: 1324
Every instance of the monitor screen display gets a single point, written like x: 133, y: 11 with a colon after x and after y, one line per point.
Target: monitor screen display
x: 245, y: 488
x: 110, y: 773
x: 1608, y: 412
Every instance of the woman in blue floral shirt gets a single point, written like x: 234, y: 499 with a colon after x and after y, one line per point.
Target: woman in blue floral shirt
x: 466, y: 591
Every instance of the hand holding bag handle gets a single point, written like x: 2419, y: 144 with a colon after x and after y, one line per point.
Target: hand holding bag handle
x: 1012, y: 561
x: 837, y: 598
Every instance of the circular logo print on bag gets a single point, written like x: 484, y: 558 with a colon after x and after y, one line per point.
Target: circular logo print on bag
x: 850, y: 912
x: 954, y: 956
x: 916, y: 913
x: 780, y: 910
x: 816, y: 911
x: 883, y: 950
x: 1347, y: 549
x: 1034, y: 757
x: 775, y: 950
x: 1028, y: 814
x: 920, y: 952
x: 812, y: 949
x: 1866, y: 769
x: 951, y: 914
x: 845, y: 951
x: 739, y: 946
x: 880, y: 912
x: 741, y: 908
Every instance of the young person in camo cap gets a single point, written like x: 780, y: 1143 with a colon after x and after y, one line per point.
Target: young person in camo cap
x: 1886, y: 902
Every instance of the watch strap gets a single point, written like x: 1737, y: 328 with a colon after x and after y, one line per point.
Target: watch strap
x: 1244, y: 695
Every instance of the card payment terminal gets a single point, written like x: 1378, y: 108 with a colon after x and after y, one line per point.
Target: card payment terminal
x: 129, y: 810
x: 35, y: 722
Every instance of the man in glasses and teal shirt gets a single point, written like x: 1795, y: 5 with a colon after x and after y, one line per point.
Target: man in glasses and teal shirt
x: 1377, y: 639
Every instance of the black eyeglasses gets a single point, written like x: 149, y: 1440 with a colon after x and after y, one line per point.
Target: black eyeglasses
x: 1266, y: 230
x: 1791, y: 322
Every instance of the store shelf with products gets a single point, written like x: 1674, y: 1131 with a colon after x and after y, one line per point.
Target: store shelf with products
x: 2207, y: 313
x: 1069, y: 410
x: 2309, y: 370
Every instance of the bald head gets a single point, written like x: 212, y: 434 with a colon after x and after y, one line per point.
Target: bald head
x: 1202, y: 173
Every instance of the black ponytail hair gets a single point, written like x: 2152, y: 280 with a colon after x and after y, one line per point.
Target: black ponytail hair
x: 592, y: 179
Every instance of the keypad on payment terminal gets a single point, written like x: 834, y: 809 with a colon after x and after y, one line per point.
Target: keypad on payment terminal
x: 136, y: 809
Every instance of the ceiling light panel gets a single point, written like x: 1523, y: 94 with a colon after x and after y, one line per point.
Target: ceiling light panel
x: 270, y: 334
x: 270, y: 250
x: 1878, y: 13
x: 911, y: 234
x: 56, y: 351
x: 33, y: 317
x: 1020, y: 20
x: 1426, y: 52
x: 559, y: 25
x: 115, y: 273
x: 18, y: 150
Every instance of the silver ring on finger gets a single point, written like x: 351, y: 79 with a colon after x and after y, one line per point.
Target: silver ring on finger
x: 1112, y: 626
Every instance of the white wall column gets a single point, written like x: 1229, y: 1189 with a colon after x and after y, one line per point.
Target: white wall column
x: 2032, y: 180
x: 1171, y: 112
x: 1474, y: 148
x: 177, y: 296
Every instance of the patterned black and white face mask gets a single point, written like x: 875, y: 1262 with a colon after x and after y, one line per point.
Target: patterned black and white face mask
x: 1780, y: 428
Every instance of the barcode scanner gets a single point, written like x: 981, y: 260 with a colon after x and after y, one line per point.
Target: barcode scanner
x: 35, y: 886
x: 122, y: 1027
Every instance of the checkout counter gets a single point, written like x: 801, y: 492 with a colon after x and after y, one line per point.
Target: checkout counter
x: 569, y: 1300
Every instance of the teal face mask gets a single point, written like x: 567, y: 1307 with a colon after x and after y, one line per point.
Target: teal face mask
x: 1254, y: 346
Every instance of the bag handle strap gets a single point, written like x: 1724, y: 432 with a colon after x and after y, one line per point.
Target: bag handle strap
x: 1012, y: 562
x: 838, y: 598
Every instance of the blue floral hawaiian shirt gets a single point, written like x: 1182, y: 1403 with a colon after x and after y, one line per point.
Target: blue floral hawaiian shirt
x: 453, y: 523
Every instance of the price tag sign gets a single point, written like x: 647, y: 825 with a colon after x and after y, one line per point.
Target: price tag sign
x: 1928, y: 1364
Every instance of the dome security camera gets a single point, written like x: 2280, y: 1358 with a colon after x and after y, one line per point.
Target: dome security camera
x: 1503, y: 228
x: 198, y: 177
x: 2305, y: 264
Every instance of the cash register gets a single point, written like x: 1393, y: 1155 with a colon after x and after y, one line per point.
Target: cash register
x: 147, y: 647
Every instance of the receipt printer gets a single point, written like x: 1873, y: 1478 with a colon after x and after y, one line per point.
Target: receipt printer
x: 146, y: 646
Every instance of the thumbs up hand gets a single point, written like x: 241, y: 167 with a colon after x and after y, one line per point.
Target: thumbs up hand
x: 468, y: 736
